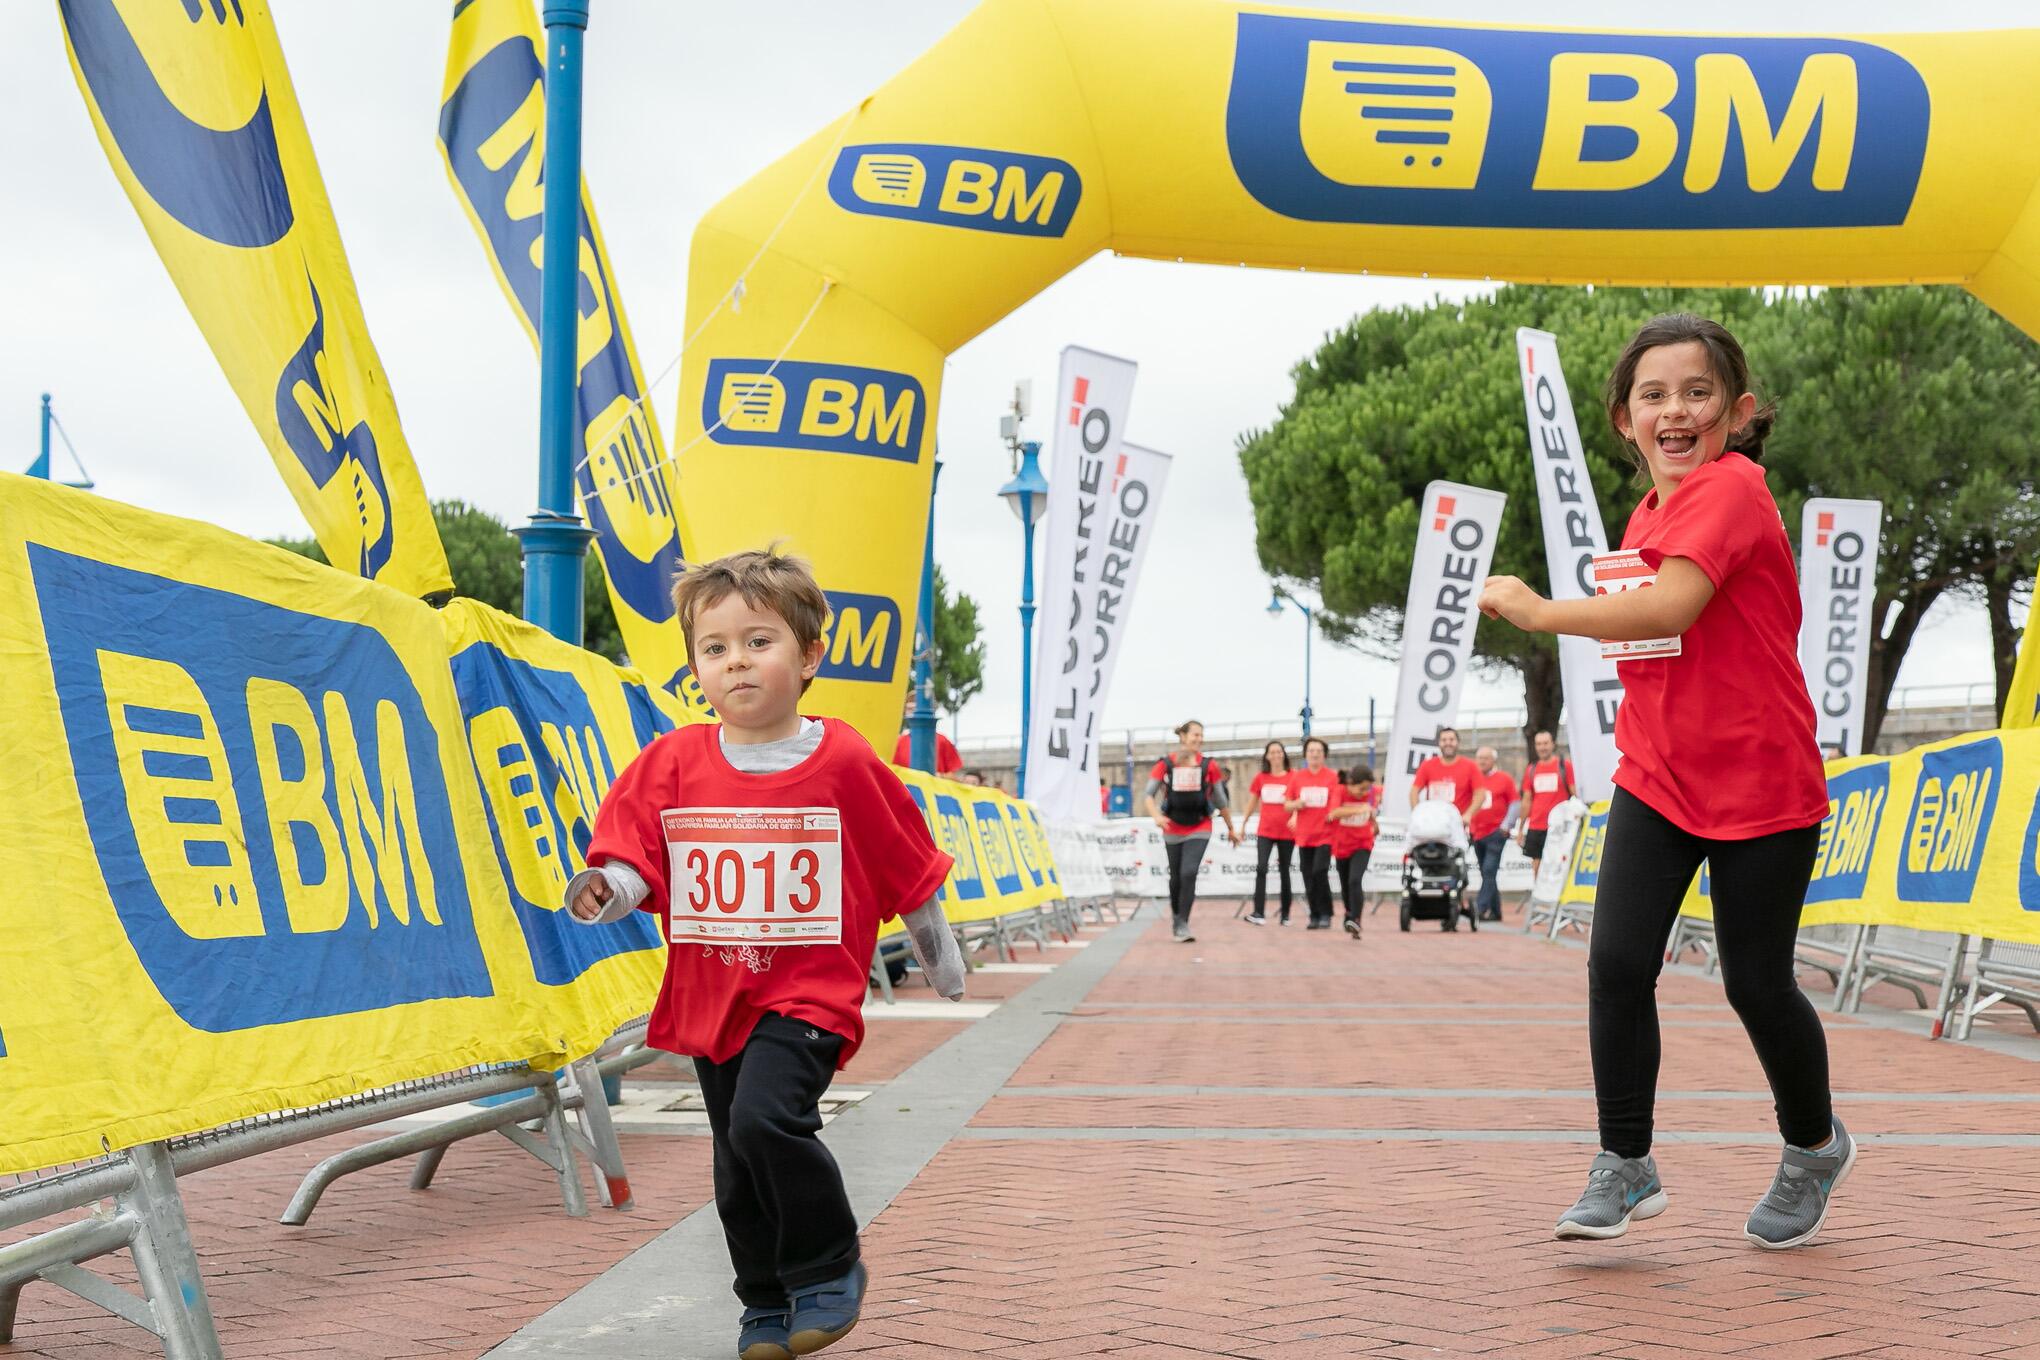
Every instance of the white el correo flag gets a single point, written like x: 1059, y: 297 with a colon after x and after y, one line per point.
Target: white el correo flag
x: 1573, y: 533
x: 1837, y: 591
x: 1455, y: 544
x: 1103, y: 495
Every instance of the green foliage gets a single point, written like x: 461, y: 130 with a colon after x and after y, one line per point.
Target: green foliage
x: 959, y: 651
x: 488, y: 565
x: 1918, y: 396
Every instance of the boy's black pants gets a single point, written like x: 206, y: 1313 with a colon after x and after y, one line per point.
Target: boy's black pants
x: 777, y: 1190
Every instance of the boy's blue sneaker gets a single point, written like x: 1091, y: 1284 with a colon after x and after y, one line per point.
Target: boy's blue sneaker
x: 1618, y: 1189
x: 824, y: 1314
x: 1797, y: 1203
x: 762, y: 1334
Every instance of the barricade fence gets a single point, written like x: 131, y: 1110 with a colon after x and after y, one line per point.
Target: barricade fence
x: 1924, y: 879
x: 309, y: 841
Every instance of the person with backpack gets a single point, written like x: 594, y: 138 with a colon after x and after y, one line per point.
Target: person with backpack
x: 1183, y: 790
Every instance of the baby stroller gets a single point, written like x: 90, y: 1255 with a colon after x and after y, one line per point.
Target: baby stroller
x: 1434, y: 871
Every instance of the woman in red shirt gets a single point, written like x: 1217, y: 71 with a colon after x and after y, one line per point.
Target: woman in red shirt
x: 1719, y: 764
x: 1311, y: 791
x: 1273, y: 835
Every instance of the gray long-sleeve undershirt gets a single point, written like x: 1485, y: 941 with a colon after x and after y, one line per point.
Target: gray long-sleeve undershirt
x: 928, y: 932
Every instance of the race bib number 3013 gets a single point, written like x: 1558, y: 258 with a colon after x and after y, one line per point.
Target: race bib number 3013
x: 758, y: 876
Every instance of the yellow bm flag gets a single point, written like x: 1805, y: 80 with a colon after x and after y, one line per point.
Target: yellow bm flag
x: 196, y: 112
x: 492, y: 134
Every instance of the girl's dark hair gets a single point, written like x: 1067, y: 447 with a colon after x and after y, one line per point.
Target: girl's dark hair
x: 1266, y: 768
x: 1724, y: 359
x: 1188, y: 723
x: 1309, y: 742
x: 1360, y: 774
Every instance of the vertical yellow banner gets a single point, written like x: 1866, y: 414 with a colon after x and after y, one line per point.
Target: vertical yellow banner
x: 195, y: 109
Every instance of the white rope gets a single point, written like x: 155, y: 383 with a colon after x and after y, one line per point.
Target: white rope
x: 733, y: 294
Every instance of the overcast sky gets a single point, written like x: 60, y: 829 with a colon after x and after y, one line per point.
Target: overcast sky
x: 684, y: 102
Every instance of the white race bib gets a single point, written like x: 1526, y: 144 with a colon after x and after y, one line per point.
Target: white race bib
x: 1546, y: 782
x: 757, y: 876
x: 1274, y: 793
x: 1315, y: 795
x: 1615, y: 572
x: 1441, y: 791
x: 1186, y: 778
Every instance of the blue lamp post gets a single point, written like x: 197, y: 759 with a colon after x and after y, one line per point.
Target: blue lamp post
x: 921, y: 723
x: 556, y: 541
x: 1275, y: 603
x: 1027, y: 494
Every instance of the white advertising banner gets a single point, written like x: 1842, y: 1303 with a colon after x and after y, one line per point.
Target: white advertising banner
x: 1103, y: 496
x: 1573, y: 535
x: 1837, y: 592
x: 1455, y: 545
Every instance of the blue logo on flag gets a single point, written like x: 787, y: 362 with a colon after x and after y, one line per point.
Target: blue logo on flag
x: 863, y: 638
x: 1848, y: 838
x: 1949, y: 826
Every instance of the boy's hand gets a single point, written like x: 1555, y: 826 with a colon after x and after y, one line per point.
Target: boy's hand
x: 588, y: 903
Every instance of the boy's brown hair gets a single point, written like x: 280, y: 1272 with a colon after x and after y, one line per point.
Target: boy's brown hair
x: 767, y: 579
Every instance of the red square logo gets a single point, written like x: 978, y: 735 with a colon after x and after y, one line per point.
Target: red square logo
x: 1823, y: 524
x: 1445, y: 508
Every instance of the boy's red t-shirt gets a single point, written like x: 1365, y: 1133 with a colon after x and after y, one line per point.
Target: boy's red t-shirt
x: 1547, y: 783
x: 1348, y: 837
x: 1720, y: 738
x: 714, y: 995
x: 1309, y: 823
x: 1273, y: 790
x: 1501, y: 787
x: 1434, y: 774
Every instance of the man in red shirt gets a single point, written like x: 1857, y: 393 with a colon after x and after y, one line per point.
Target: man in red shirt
x: 1493, y: 807
x: 1547, y: 783
x: 1447, y: 775
x: 947, y: 761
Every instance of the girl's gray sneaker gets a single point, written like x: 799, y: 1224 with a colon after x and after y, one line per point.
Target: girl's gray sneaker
x: 1792, y: 1211
x: 1618, y: 1189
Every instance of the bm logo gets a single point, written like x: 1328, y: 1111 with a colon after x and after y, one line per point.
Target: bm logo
x: 863, y: 638
x: 1841, y: 865
x: 1335, y: 120
x: 830, y: 408
x: 957, y: 186
x: 272, y: 823
x: 1586, y: 861
x: 1949, y: 826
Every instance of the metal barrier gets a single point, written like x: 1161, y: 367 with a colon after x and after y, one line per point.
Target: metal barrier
x: 1690, y: 932
x: 2003, y: 972
x: 1912, y: 959
x: 1830, y: 949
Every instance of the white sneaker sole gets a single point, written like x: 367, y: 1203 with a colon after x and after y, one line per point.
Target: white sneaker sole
x: 1848, y: 1164
x: 1649, y: 1207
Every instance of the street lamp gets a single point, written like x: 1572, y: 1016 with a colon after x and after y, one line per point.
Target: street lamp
x: 1027, y: 495
x: 1275, y: 603
x: 921, y: 722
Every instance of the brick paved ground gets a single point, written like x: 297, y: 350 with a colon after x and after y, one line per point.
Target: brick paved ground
x: 1269, y: 1143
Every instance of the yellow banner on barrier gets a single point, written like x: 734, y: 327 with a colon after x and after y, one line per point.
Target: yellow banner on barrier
x: 1942, y: 837
x: 1003, y: 863
x: 492, y: 136
x: 827, y: 291
x: 251, y: 869
x: 195, y: 110
x: 550, y: 727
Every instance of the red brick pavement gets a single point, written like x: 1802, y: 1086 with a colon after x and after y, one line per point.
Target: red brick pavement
x: 1130, y: 1238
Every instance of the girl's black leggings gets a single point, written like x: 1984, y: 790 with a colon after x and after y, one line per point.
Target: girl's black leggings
x: 1317, y: 881
x: 1759, y: 886
x: 1283, y: 851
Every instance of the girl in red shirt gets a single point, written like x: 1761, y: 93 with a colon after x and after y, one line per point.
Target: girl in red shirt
x: 1273, y: 835
x: 1353, y: 814
x: 1718, y: 764
x: 1311, y: 792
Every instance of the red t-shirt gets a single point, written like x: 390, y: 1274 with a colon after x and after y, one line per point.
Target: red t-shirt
x: 1309, y: 822
x: 1547, y: 784
x: 1274, y: 790
x: 1434, y: 775
x: 1501, y: 787
x: 713, y: 995
x: 1164, y: 772
x: 947, y: 761
x: 1350, y: 837
x: 1720, y: 739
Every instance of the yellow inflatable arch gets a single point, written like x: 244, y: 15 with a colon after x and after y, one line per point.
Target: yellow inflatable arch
x: 828, y: 290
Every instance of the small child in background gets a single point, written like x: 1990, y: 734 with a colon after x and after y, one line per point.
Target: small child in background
x: 1353, y: 816
x: 771, y: 846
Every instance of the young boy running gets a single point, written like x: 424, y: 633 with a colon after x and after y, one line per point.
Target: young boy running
x: 771, y: 846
